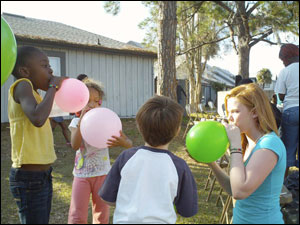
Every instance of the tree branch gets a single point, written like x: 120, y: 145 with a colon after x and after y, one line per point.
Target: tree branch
x: 224, y: 6
x: 232, y: 37
x: 202, y: 44
x: 265, y: 40
x: 255, y: 41
x: 252, y: 8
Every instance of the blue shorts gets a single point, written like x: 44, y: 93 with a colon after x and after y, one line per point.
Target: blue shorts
x: 58, y: 119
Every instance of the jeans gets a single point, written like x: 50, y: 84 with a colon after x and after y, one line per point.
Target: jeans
x: 32, y: 191
x: 290, y: 134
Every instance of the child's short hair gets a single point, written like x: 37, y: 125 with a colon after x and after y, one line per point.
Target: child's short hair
x: 23, y: 55
x: 90, y: 83
x: 159, y: 120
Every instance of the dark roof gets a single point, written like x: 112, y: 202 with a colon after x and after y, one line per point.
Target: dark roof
x: 26, y: 28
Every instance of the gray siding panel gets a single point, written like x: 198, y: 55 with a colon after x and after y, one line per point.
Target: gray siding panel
x: 129, y: 83
x: 127, y: 80
x: 135, y: 86
x: 140, y: 93
x: 116, y: 84
x: 123, y: 88
x: 102, y: 68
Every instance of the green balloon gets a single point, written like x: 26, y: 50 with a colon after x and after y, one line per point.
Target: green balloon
x: 207, y: 141
x: 8, y: 50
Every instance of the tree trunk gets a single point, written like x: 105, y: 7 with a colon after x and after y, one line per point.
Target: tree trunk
x: 244, y: 59
x: 244, y: 38
x: 166, y: 49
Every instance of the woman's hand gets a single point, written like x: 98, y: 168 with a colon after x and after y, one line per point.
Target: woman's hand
x: 123, y: 141
x: 234, y: 135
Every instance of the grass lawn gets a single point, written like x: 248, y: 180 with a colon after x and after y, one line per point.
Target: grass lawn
x: 208, y: 212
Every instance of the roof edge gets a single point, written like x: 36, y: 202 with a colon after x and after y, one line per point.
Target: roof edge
x: 89, y: 47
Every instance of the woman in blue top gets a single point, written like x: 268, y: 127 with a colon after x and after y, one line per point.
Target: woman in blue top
x: 258, y: 157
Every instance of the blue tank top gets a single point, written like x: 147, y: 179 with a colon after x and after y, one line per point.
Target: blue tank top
x: 263, y: 205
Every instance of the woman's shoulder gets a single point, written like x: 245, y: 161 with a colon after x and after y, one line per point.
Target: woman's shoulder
x: 271, y: 141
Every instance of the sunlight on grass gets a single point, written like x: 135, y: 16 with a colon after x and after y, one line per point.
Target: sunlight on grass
x: 61, y: 189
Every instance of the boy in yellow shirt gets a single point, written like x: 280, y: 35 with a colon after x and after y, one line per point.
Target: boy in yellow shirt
x: 31, y: 134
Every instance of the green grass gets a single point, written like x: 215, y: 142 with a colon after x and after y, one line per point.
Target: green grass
x: 208, y: 212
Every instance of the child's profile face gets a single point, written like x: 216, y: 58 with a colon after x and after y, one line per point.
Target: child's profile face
x: 40, y: 72
x: 95, y: 98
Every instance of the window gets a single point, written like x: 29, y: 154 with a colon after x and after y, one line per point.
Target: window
x: 57, y: 61
x: 55, y: 65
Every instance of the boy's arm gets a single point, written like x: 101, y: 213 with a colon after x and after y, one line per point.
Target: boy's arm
x: 186, y: 201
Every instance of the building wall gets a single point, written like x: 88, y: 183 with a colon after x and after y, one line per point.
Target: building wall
x: 128, y: 80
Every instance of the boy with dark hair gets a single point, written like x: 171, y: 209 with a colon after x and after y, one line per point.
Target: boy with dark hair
x: 146, y: 182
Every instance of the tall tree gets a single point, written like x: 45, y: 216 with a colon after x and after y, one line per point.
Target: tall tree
x: 167, y: 24
x: 254, y: 21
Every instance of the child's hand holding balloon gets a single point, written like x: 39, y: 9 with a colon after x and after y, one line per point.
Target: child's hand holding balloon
x: 57, y: 81
x: 98, y: 125
x: 123, y: 141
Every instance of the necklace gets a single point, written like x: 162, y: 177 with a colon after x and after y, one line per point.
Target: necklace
x: 258, y: 138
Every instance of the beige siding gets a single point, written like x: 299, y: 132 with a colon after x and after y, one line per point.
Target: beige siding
x: 127, y: 80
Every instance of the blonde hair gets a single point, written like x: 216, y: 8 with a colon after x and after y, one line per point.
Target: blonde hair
x: 255, y: 99
x: 90, y: 83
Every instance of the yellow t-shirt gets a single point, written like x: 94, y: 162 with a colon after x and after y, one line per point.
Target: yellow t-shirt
x: 29, y: 144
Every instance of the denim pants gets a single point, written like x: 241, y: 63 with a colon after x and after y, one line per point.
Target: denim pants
x: 32, y: 191
x: 290, y: 134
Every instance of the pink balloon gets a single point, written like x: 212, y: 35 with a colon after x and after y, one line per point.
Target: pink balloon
x: 98, y: 125
x: 72, y: 96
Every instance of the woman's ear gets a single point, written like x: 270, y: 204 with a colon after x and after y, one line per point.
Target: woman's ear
x: 254, y: 114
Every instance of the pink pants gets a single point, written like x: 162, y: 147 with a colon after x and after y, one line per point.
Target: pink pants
x: 81, y: 190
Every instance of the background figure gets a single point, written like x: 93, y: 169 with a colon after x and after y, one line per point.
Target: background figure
x: 179, y: 90
x: 60, y: 121
x: 81, y: 76
x: 238, y: 78
x: 287, y: 87
x: 244, y: 81
x: 276, y: 111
